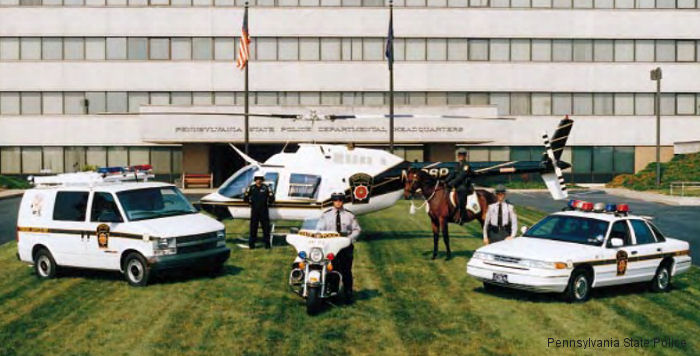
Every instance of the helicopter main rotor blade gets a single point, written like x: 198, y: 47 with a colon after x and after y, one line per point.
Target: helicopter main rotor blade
x: 206, y: 113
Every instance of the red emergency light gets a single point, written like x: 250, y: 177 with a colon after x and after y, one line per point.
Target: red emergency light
x: 623, y: 208
x: 587, y: 206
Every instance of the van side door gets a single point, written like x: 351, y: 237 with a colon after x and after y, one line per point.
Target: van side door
x: 106, y: 224
x: 68, y: 227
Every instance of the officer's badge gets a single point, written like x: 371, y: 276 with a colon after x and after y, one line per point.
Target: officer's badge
x: 361, y: 186
x: 103, y: 235
x: 621, y: 262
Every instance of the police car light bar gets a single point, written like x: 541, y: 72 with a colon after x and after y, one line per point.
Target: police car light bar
x: 587, y: 206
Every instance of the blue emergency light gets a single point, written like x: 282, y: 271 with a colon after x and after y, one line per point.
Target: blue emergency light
x: 611, y: 208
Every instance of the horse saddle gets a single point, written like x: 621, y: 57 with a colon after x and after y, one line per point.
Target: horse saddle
x: 472, y: 202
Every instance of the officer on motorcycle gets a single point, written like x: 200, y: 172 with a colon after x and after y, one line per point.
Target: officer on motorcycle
x: 344, y: 222
x: 459, y: 180
x: 260, y: 196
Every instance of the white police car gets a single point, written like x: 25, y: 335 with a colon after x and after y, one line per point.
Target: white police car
x: 583, y: 247
x: 134, y: 228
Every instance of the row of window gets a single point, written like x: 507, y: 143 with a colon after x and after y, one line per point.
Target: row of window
x: 558, y: 4
x: 515, y: 103
x: 56, y: 159
x: 348, y: 49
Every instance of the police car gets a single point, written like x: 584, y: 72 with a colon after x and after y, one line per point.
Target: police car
x: 583, y: 247
x: 136, y: 228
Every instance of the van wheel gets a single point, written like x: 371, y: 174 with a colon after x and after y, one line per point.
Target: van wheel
x: 579, y: 288
x: 662, y: 279
x: 136, y: 270
x: 44, y: 264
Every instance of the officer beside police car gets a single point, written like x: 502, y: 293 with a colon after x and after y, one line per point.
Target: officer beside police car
x: 260, y: 196
x: 345, y: 223
x: 501, y: 222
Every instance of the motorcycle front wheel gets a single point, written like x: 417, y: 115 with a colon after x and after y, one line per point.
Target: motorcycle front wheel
x: 313, y: 300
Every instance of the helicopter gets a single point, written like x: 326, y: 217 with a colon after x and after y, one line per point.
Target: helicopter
x: 372, y: 179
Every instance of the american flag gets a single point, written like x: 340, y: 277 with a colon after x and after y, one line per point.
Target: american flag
x: 244, y: 47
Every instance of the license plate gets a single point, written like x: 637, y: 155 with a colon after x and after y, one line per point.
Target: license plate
x: 500, y: 278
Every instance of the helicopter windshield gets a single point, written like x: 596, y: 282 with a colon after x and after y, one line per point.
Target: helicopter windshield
x: 235, y: 186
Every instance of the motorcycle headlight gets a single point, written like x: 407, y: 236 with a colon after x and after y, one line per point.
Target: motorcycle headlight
x: 316, y: 254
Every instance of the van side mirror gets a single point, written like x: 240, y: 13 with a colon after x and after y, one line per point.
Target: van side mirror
x: 523, y: 230
x: 616, y: 242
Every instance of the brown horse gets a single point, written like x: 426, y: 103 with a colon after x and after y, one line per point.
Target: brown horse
x: 440, y: 210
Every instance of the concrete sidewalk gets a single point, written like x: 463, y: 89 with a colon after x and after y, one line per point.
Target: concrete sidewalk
x: 10, y: 193
x: 655, y: 197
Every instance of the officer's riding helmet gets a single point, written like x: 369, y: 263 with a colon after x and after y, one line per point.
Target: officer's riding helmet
x: 338, y: 195
x: 461, y: 152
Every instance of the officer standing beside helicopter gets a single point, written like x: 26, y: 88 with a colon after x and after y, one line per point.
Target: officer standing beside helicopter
x: 459, y: 180
x: 345, y: 223
x: 260, y: 196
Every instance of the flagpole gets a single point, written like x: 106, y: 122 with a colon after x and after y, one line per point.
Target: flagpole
x: 391, y: 79
x: 245, y: 95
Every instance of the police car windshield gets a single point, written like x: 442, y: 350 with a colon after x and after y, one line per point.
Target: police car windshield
x: 575, y: 229
x: 153, y: 203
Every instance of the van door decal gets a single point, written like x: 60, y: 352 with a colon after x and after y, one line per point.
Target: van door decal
x: 103, y: 235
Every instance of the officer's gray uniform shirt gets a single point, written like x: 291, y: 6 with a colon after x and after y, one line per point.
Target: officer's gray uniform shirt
x: 348, y: 222
x: 508, y: 216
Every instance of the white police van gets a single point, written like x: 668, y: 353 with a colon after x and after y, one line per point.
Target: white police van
x: 583, y: 247
x: 135, y: 228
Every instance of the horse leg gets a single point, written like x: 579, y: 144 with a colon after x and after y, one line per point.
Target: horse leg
x: 446, y: 237
x: 436, y: 234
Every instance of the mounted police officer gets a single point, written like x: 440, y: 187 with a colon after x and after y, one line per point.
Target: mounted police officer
x: 460, y: 181
x: 344, y: 222
x: 501, y: 222
x: 260, y: 196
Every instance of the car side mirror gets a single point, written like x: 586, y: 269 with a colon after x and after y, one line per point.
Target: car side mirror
x: 294, y: 230
x: 616, y: 242
x: 523, y: 230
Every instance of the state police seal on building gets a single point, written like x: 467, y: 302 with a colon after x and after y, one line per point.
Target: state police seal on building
x: 360, y: 186
x: 103, y: 235
x: 621, y: 262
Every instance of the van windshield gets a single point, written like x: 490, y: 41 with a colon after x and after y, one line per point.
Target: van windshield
x: 154, y: 203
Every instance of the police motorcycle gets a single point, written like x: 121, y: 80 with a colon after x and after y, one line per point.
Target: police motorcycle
x: 313, y: 276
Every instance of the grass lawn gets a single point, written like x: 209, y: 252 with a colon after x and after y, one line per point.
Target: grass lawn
x: 407, y: 304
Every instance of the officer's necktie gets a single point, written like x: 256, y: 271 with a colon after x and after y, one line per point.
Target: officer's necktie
x: 500, y: 215
x: 337, y: 221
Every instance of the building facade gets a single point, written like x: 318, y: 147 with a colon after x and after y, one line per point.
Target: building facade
x: 76, y: 76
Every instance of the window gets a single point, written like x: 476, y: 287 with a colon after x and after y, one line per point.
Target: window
x: 31, y: 160
x: 561, y: 50
x: 583, y: 50
x: 160, y: 48
x: 30, y: 48
x: 288, y: 49
x: 95, y: 48
x: 561, y: 104
x: 574, y: 229
x: 685, y: 51
x: 583, y: 104
x: 70, y: 206
x: 456, y: 49
x: 309, y: 49
x: 437, y: 49
x: 137, y: 48
x: 10, y: 161
x: 266, y: 48
x: 623, y: 159
x: 519, y: 50
x: 373, y: 49
x: 667, y: 104
x: 620, y: 230
x: 665, y: 4
x: 502, y: 101
x: 52, y: 48
x: 542, y: 3
x: 603, y: 50
x: 686, y: 4
x: 644, y: 104
x: 657, y: 233
x: 73, y: 48
x: 136, y: 99
x: 541, y: 50
x: 96, y: 102
x: 330, y: 49
x: 566, y: 4
x: 624, y: 104
x: 603, y: 104
x: 478, y: 50
x: 31, y: 103
x: 116, y: 48
x: 9, y: 103
x: 541, y: 104
x: 181, y: 48
x: 117, y: 101
x: 520, y: 103
x: 202, y: 48
x: 415, y: 49
x: 665, y: 50
x: 153, y: 203
x: 685, y: 104
x: 644, y: 50
x: 499, y: 50
x: 74, y: 103
x: 604, y: 4
x: 104, y: 208
x: 303, y: 185
x: 642, y: 232
x: 9, y: 48
x: 624, y: 50
x: 52, y: 103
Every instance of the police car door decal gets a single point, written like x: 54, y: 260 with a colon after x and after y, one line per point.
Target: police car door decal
x: 622, y: 260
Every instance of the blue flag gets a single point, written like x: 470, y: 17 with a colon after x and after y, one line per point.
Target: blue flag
x: 389, y: 53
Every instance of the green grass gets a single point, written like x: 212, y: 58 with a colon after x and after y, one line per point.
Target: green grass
x: 682, y: 168
x: 407, y: 304
x: 13, y: 183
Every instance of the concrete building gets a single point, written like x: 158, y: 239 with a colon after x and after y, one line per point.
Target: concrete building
x: 65, y: 62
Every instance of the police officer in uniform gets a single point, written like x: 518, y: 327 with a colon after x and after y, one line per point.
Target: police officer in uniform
x: 344, y: 222
x: 501, y: 222
x: 260, y: 196
x: 459, y: 180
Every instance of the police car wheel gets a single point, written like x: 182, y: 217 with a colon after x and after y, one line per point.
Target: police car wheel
x: 44, y: 264
x: 579, y: 288
x: 136, y: 270
x: 662, y: 279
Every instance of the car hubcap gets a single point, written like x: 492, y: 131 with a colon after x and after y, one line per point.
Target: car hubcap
x: 663, y: 278
x: 135, y: 271
x: 44, y: 266
x: 581, y: 287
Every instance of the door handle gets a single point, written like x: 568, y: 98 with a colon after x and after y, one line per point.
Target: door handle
x: 634, y: 252
x: 658, y: 249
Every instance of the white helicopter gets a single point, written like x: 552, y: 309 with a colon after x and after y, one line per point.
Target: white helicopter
x: 303, y: 180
